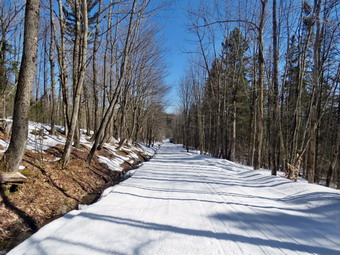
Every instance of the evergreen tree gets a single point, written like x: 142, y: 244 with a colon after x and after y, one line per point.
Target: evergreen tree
x: 234, y: 60
x: 71, y: 18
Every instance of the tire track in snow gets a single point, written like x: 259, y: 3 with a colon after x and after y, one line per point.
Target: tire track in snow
x: 234, y: 213
x: 266, y: 229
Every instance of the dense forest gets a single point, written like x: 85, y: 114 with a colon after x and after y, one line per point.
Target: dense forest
x: 262, y: 86
x: 93, y: 65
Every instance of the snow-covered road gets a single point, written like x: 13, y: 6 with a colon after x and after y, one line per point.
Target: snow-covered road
x: 184, y: 203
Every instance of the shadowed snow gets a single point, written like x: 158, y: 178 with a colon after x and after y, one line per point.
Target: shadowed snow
x: 184, y: 203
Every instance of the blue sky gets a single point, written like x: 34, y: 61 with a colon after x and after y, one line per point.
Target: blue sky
x: 172, y: 22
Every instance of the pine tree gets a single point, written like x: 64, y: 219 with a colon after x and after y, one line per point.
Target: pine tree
x: 234, y: 69
x: 69, y: 10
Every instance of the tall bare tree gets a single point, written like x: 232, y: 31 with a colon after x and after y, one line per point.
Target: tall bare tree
x: 259, y: 90
x: 52, y: 70
x: 108, y: 114
x: 81, y: 33
x: 61, y: 47
x: 15, y: 152
x: 275, y: 96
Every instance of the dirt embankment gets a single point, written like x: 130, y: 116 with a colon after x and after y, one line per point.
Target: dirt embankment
x: 51, y: 192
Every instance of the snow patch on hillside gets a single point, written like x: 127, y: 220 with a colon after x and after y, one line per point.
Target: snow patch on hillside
x: 111, y: 163
x: 39, y: 140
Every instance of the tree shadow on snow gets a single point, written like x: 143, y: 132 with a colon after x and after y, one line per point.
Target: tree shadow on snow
x: 279, y: 244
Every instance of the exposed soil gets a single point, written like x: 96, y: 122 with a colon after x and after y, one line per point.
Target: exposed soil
x: 51, y: 192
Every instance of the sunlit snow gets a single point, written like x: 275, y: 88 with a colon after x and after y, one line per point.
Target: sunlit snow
x: 185, y: 203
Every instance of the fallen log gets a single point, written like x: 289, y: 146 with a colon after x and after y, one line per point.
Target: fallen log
x: 12, y: 177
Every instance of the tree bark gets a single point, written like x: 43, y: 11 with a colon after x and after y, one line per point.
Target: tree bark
x: 260, y: 86
x: 16, y: 149
x: 275, y: 111
x: 312, y: 177
x: 62, y: 67
x: 95, y: 71
x: 83, y: 31
x: 52, y: 66
x: 113, y: 101
x: 334, y: 166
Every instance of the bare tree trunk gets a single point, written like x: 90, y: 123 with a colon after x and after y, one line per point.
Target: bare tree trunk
x: 95, y: 70
x: 312, y: 177
x: 52, y: 66
x: 334, y: 166
x: 109, y: 40
x: 83, y: 31
x: 45, y: 97
x: 87, y: 111
x: 113, y: 101
x: 122, y: 124
x: 76, y: 67
x: 253, y: 111
x: 275, y: 111
x: 3, y: 73
x: 134, y: 123
x: 260, y: 87
x: 295, y: 156
x: 62, y: 67
x: 16, y: 149
x: 233, y: 133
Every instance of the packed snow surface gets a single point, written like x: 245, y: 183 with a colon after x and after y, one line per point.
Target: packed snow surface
x: 184, y: 203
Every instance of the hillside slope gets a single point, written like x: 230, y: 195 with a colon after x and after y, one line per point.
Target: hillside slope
x: 50, y: 191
